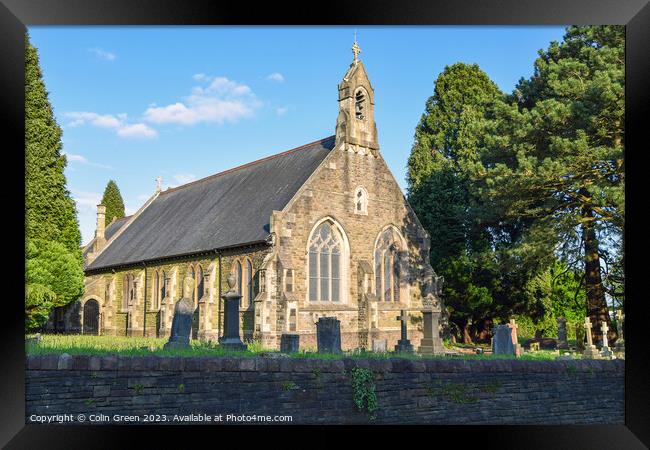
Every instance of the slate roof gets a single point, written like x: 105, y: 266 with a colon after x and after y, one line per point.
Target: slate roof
x: 227, y: 209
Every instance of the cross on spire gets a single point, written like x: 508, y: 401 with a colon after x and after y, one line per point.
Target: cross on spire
x: 356, y: 49
x: 158, y: 180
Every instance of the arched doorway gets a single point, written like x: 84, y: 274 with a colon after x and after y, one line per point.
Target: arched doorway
x: 91, y: 317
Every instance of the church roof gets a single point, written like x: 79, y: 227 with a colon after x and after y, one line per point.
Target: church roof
x: 227, y: 209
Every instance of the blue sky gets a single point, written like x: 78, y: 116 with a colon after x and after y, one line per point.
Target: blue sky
x: 186, y: 102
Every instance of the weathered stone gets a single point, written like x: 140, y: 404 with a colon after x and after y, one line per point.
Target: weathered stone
x: 379, y: 345
x: 231, y: 339
x: 431, y: 343
x: 562, y: 334
x: 328, y: 330
x: 290, y: 343
x: 403, y: 345
x: 182, y: 321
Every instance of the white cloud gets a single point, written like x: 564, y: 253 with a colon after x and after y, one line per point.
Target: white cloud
x: 201, y: 77
x: 114, y: 122
x: 86, y: 201
x: 103, y: 54
x: 282, y: 110
x: 223, y: 100
x: 276, y: 76
x: 83, y: 160
x: 183, y: 178
x: 137, y: 130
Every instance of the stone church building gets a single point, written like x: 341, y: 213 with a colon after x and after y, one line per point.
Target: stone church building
x: 320, y: 230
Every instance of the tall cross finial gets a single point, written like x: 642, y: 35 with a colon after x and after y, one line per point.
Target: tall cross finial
x: 158, y: 180
x: 355, y: 48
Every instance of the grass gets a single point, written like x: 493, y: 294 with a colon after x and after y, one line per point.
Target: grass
x: 147, y: 346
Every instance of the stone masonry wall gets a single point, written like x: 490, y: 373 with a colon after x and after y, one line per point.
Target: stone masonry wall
x: 314, y: 391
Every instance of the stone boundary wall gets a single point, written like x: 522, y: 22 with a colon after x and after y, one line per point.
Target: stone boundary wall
x: 317, y: 391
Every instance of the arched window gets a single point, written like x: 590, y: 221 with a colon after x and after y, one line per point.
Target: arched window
x: 155, y: 298
x: 238, y: 274
x: 129, y: 291
x: 200, y: 286
x: 360, y: 105
x: 249, y: 281
x: 387, y: 266
x: 361, y: 201
x: 162, y: 285
x: 326, y: 250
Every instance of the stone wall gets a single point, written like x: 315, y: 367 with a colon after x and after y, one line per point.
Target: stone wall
x: 315, y: 391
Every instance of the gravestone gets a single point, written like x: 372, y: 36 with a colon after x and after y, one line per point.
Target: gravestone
x: 562, y: 343
x: 534, y: 346
x: 590, y: 349
x: 502, y: 340
x: 403, y: 345
x: 231, y: 339
x: 580, y: 337
x: 182, y: 321
x: 431, y: 343
x: 328, y: 335
x: 379, y: 345
x: 513, y: 336
x: 289, y: 343
x: 605, y: 351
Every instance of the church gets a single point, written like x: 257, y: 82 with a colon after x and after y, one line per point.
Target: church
x: 321, y: 230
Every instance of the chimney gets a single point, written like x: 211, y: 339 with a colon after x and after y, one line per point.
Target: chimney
x: 101, y: 223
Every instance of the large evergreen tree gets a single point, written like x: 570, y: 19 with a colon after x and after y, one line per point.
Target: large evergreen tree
x: 112, y: 199
x: 556, y: 157
x: 51, y: 227
x: 482, y: 281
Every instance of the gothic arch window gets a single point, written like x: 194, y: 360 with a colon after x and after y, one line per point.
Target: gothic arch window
x: 360, y: 104
x: 245, y: 281
x: 155, y: 298
x: 361, y: 201
x: 129, y: 294
x: 388, y: 276
x: 327, y: 259
x: 164, y: 286
x: 249, y: 281
x: 200, y: 285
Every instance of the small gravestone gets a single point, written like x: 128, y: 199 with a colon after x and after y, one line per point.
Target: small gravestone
x: 580, y: 337
x: 431, y: 343
x: 289, y: 343
x: 403, y: 345
x: 231, y: 339
x: 605, y: 351
x: 328, y: 335
x: 502, y: 340
x: 513, y: 336
x: 590, y: 349
x: 182, y: 321
x: 562, y: 343
x: 534, y: 346
x: 379, y: 345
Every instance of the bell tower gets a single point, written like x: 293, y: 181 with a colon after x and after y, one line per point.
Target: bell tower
x: 355, y: 125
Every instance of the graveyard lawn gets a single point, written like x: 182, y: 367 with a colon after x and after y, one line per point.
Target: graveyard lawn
x: 147, y: 346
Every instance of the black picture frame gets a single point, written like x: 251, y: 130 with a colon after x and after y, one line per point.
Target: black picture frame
x: 15, y: 15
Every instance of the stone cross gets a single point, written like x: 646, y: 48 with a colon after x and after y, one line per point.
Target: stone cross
x: 604, y: 328
x: 158, y: 180
x: 403, y: 345
x: 356, y: 49
x: 588, y: 326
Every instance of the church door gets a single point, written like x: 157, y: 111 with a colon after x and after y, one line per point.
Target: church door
x: 91, y: 317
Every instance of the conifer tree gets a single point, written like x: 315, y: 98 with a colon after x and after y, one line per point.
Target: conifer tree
x: 112, y: 199
x: 51, y: 227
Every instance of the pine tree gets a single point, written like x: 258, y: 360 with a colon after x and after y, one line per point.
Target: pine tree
x: 556, y: 157
x: 51, y: 226
x: 112, y: 199
x: 481, y: 283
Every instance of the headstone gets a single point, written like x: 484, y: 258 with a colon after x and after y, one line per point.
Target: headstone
x: 562, y: 343
x: 182, y: 321
x: 289, y: 343
x: 379, y: 345
x: 431, y: 343
x: 403, y: 345
x: 231, y: 339
x: 590, y: 349
x: 605, y: 351
x: 534, y: 346
x: 580, y: 337
x: 515, y: 340
x: 328, y: 335
x: 502, y: 340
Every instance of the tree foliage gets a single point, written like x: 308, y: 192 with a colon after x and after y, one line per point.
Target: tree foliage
x: 53, y: 260
x: 112, y: 199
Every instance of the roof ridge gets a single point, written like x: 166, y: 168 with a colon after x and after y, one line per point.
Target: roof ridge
x: 243, y: 166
